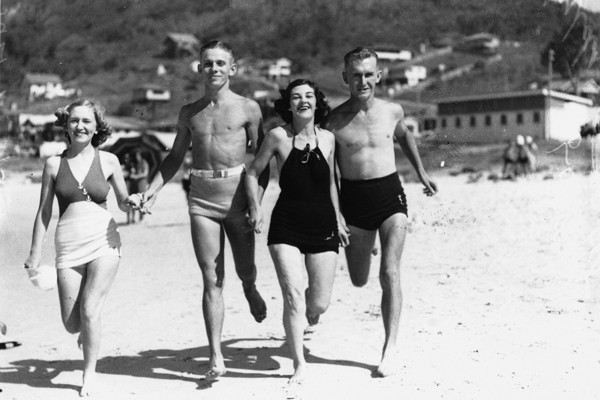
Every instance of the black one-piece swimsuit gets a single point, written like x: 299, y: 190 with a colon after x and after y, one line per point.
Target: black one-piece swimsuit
x: 304, y: 216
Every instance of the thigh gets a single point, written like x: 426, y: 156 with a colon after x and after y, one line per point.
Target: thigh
x: 392, y: 236
x: 100, y: 275
x: 207, y: 238
x: 70, y: 289
x: 358, y: 253
x: 321, y: 274
x: 289, y: 268
x: 241, y: 238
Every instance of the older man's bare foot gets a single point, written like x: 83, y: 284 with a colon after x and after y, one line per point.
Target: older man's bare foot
x: 258, y: 308
x: 89, y: 384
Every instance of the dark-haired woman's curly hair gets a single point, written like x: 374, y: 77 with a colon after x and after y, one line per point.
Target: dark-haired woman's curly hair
x: 282, y: 105
x: 103, y: 129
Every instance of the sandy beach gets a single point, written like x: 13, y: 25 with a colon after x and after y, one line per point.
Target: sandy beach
x: 501, y: 284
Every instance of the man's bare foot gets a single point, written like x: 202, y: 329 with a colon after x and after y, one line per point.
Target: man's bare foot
x: 80, y: 342
x: 89, y: 384
x: 390, y: 364
x: 258, y: 308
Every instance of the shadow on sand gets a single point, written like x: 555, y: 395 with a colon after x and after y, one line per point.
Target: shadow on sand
x: 241, y: 359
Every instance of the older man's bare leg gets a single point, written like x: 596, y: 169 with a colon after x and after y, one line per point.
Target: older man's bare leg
x: 392, y: 234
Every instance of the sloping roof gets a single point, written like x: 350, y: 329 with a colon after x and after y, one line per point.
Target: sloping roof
x: 39, y: 79
x: 588, y: 86
x: 186, y: 38
x: 542, y: 92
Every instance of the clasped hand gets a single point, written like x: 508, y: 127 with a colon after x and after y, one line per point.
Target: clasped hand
x: 138, y: 201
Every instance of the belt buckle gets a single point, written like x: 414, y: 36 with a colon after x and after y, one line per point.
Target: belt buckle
x: 221, y: 173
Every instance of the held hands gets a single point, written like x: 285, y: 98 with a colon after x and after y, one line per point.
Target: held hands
x: 343, y: 232
x: 138, y: 201
x: 255, y: 219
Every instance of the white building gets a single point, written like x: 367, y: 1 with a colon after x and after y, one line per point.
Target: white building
x: 45, y: 86
x: 280, y: 68
x: 542, y: 114
x: 391, y: 54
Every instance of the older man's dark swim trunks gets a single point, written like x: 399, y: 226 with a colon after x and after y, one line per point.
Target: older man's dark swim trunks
x: 367, y: 203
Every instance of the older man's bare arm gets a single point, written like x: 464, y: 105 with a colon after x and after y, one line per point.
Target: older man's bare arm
x: 408, y: 145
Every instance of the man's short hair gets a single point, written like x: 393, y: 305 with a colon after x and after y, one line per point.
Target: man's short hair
x: 360, y: 53
x: 217, y: 44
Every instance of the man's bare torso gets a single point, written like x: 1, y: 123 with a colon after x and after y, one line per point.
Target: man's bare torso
x: 218, y: 131
x: 365, y: 140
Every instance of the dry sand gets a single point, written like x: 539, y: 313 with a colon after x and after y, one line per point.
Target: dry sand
x: 501, y: 286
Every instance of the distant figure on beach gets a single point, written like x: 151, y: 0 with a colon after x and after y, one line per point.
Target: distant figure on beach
x: 87, y: 243
x: 306, y: 226
x: 218, y: 126
x: 510, y: 157
x: 138, y: 177
x: 527, y: 155
x: 371, y: 196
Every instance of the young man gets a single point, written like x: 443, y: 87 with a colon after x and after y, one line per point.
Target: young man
x: 372, y: 198
x: 218, y: 127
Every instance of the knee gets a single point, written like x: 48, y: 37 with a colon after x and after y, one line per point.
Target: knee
x: 294, y: 300
x: 359, y: 281
x: 72, y: 326
x: 318, y: 306
x: 389, y: 277
x: 89, y: 313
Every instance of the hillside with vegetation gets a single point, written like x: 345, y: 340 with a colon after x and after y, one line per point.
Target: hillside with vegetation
x: 108, y: 47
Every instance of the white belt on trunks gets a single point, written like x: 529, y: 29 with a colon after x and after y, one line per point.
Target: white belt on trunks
x: 218, y: 173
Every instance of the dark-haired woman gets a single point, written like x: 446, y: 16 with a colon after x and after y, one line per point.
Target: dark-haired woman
x: 306, y: 224
x: 88, y: 245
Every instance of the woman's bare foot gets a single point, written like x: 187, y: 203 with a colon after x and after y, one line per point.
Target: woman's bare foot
x: 390, y: 364
x: 292, y: 387
x: 89, y: 384
x: 298, y: 377
x: 216, y: 370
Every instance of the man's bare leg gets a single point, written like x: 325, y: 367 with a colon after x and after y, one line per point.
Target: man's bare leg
x: 358, y: 254
x: 392, y: 233
x: 208, y: 239
x: 288, y: 264
x: 241, y: 239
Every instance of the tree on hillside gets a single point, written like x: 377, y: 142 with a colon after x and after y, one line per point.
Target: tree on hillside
x: 574, y: 47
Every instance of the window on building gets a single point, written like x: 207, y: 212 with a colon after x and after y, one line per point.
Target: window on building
x: 503, y: 119
x: 443, y: 122
x: 472, y: 121
x: 536, y: 117
x: 429, y: 124
x: 457, y: 122
x: 488, y: 120
x: 519, y: 118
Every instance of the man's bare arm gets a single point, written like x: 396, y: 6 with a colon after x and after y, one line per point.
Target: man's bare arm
x: 173, y: 161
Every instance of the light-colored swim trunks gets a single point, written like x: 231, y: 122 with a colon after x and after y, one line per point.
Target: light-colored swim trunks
x: 218, y: 194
